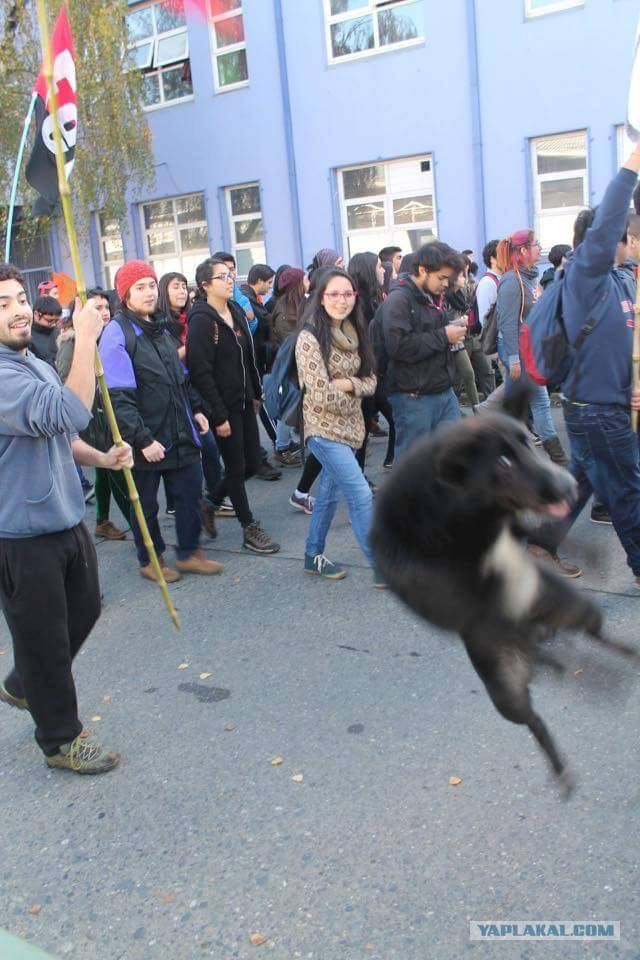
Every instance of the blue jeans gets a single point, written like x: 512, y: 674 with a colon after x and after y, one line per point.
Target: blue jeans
x: 605, y: 460
x: 416, y: 415
x: 341, y: 474
x: 284, y: 435
x: 184, y: 486
x: 539, y: 403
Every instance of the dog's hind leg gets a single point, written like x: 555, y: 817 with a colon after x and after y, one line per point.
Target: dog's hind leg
x: 505, y: 671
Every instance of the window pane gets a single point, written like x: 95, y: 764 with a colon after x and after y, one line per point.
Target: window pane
x: 171, y: 49
x: 110, y: 271
x: 365, y: 216
x: 168, y: 18
x: 405, y: 23
x: 224, y: 6
x: 109, y: 228
x: 229, y: 31
x: 161, y: 241
x: 557, y: 154
x: 112, y: 248
x: 194, y: 238
x: 159, y: 214
x: 245, y: 259
x: 555, y: 228
x: 190, y: 209
x: 140, y: 24
x: 343, y: 6
x: 352, y: 36
x: 151, y: 89
x: 247, y: 231
x: 562, y: 193
x: 363, y: 182
x: 142, y: 55
x: 232, y: 68
x: 174, y: 82
x: 413, y: 210
x: 245, y: 200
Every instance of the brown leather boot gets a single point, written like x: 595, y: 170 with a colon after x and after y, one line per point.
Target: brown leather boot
x: 198, y: 562
x: 555, y: 451
x: 149, y: 573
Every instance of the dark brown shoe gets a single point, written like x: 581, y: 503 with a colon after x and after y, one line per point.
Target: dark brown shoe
x: 256, y: 540
x: 109, y: 531
x: 209, y: 520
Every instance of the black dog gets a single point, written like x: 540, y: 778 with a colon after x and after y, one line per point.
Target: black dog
x: 448, y: 539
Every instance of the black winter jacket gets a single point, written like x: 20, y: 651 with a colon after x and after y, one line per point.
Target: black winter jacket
x: 415, y: 342
x: 151, y: 394
x: 217, y: 367
x: 262, y: 336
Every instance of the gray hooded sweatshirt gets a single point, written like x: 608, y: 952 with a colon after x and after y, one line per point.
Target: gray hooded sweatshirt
x: 41, y: 491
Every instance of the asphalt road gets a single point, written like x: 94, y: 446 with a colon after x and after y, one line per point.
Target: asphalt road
x: 197, y: 841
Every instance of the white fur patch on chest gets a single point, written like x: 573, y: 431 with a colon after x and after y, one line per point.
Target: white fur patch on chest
x: 519, y: 575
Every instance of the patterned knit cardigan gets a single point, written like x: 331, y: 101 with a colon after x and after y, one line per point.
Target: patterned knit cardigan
x: 328, y: 412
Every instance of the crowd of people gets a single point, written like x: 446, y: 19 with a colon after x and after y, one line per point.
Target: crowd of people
x: 392, y: 344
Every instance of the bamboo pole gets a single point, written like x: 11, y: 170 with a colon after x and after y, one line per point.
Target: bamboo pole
x: 636, y: 349
x: 65, y: 199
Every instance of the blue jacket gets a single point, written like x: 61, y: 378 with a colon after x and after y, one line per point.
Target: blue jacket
x: 594, y: 288
x: 41, y: 492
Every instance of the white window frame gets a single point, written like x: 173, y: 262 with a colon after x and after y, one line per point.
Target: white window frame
x: 178, y: 255
x: 539, y: 178
x: 556, y: 6
x: 387, y: 198
x: 624, y: 144
x: 369, y: 8
x: 156, y: 69
x: 235, y: 218
x: 107, y: 264
x: 231, y: 48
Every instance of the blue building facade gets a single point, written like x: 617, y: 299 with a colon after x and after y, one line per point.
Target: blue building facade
x: 283, y: 126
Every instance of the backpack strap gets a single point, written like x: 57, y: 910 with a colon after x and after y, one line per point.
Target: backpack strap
x: 130, y: 338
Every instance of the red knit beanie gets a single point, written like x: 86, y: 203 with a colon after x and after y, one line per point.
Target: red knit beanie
x: 129, y: 273
x: 290, y: 277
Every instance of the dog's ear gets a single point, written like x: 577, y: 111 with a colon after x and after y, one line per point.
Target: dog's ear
x: 455, y: 463
x: 516, y: 399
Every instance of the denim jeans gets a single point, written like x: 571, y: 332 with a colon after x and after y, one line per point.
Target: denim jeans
x: 184, y: 485
x: 284, y: 435
x: 416, y: 415
x: 340, y: 475
x: 605, y: 460
x: 539, y: 403
x: 210, y: 462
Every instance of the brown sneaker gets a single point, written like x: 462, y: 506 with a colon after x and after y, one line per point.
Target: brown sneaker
x: 563, y: 567
x: 288, y: 458
x: 209, y: 520
x: 199, y: 562
x: 83, y: 756
x: 18, y: 702
x: 149, y: 573
x: 109, y: 531
x: 256, y: 540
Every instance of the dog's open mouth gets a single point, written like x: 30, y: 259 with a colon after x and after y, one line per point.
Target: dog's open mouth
x: 556, y: 510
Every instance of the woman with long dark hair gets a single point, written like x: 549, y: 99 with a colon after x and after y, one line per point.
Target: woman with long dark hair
x: 223, y: 369
x: 335, y: 370
x: 173, y: 301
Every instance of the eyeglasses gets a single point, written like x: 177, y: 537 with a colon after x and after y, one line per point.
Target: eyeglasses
x: 536, y: 243
x: 223, y: 276
x: 335, y: 295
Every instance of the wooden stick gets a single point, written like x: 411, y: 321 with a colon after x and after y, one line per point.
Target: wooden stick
x: 636, y: 349
x: 65, y: 199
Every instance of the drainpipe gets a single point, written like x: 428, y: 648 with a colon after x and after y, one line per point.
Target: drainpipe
x: 288, y: 129
x: 476, y: 122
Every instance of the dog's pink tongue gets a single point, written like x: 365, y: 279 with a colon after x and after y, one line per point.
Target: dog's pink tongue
x: 557, y: 509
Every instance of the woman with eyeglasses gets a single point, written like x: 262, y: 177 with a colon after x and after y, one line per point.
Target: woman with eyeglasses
x: 518, y: 290
x: 335, y: 370
x: 222, y: 367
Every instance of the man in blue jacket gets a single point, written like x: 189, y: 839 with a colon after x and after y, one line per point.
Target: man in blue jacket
x: 48, y: 568
x: 605, y: 456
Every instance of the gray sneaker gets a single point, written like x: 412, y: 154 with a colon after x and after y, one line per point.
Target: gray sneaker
x: 18, y: 702
x: 83, y: 756
x: 257, y: 540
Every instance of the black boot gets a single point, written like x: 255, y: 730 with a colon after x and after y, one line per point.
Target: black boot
x: 555, y: 451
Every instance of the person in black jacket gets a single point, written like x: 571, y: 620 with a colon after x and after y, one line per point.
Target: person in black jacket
x: 222, y: 366
x: 159, y: 415
x: 44, y: 330
x: 419, y: 364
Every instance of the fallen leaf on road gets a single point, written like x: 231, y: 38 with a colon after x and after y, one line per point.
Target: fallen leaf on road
x: 297, y: 778
x: 577, y: 673
x: 106, y: 698
x: 204, y: 676
x: 167, y: 897
x: 454, y: 781
x: 257, y: 939
x: 229, y: 727
x: 2, y: 653
x: 96, y: 718
x: 182, y: 666
x: 35, y: 909
x: 236, y: 580
x: 276, y: 761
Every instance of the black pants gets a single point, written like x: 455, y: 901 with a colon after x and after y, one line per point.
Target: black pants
x: 184, y: 486
x: 51, y: 599
x: 240, y: 453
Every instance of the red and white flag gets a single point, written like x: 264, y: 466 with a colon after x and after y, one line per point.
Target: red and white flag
x: 41, y: 168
